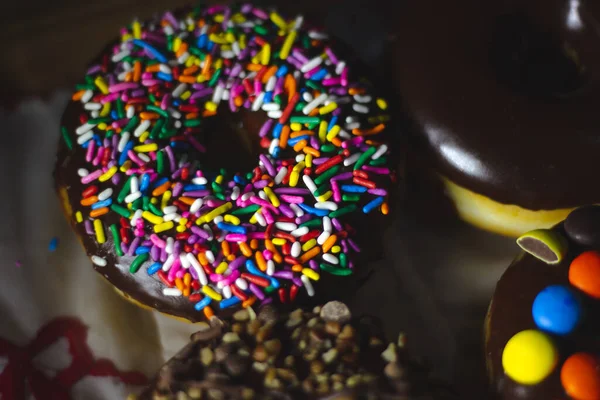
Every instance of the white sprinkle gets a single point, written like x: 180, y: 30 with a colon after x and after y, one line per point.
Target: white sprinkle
x: 177, y: 124
x: 84, y: 128
x: 353, y: 125
x: 344, y: 135
x: 260, y: 219
x: 169, y: 209
x: 310, y: 184
x: 297, y: 210
x: 362, y: 98
x: 280, y: 175
x: 235, y: 193
x: 330, y: 258
x: 142, y: 127
x: 218, y: 94
x: 136, y: 215
x: 174, y: 113
x: 92, y: 106
x: 95, y: 114
x: 274, y: 143
x: 360, y: 108
x: 183, y: 58
x: 168, y: 263
x: 83, y: 172
x: 258, y: 102
x: 196, y: 205
x: 352, y: 159
x: 210, y: 257
x: 323, y: 237
x: 296, y: 249
x: 105, y: 194
x: 276, y: 114
x: 271, y: 107
x: 247, y: 196
x: 241, y: 283
x: 227, y: 54
x: 122, y: 76
x: 99, y: 261
x: 120, y: 55
x: 311, y: 64
x: 217, y: 219
x: 314, y: 104
x: 340, y: 67
x: 185, y: 262
x: 286, y: 226
x: 172, y: 292
x: 170, y: 217
x: 134, y: 184
x: 263, y: 195
x: 178, y: 91
x: 307, y: 97
x: 169, y: 246
x: 326, y: 205
x: 298, y: 22
x: 307, y: 285
x: 165, y: 69
x: 208, y: 231
x: 85, y: 137
x: 300, y: 231
x: 380, y: 151
x: 235, y: 46
x: 271, y: 84
x: 225, y: 95
x: 144, y: 157
x: 270, y: 267
x: 123, y: 141
x: 168, y: 30
x: 87, y: 96
x: 226, y: 291
x: 198, y: 268
x: 300, y: 157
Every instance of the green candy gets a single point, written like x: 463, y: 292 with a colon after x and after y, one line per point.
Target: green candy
x: 344, y: 210
x: 155, y: 210
x: 246, y: 210
x: 122, y: 211
x: 544, y: 244
x: 213, y: 80
x: 137, y: 263
x: 66, y: 137
x: 305, y: 120
x: 364, y: 157
x: 335, y: 270
x: 158, y: 110
x: 351, y: 197
x: 124, y: 190
x: 160, y: 162
x: 325, y: 176
x: 313, y: 223
x: 131, y: 124
x: 116, y: 239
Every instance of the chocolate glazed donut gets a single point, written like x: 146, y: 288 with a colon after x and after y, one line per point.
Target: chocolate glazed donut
x: 504, y: 98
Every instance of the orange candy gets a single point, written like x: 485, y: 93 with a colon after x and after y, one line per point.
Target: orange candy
x: 584, y: 273
x: 580, y: 377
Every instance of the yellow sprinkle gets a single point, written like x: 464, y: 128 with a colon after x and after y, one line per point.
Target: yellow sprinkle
x: 214, y: 213
x: 309, y: 245
x: 255, y: 59
x: 219, y: 39
x: 325, y: 196
x: 311, y: 274
x: 232, y: 219
x: 287, y: 45
x: 165, y: 226
x: 165, y: 199
x: 154, y: 200
x: 126, y: 37
x: 218, y: 63
x: 295, y: 126
x: 266, y: 54
x: 180, y: 228
x: 219, y: 18
x: 201, y: 78
x: 130, y: 207
x: 252, y: 219
x: 99, y: 229
x: 210, y: 106
x: 333, y: 132
x: 299, y: 167
x: 219, y: 179
x: 101, y: 85
x: 308, y: 160
x: 185, y: 95
x: 137, y: 30
x: 294, y: 178
x: 125, y: 167
x: 190, y: 61
x: 322, y: 130
x: 381, y: 103
x: 207, y: 290
x: 144, y: 136
x: 272, y: 197
x: 153, y: 219
x: 278, y: 241
x: 229, y: 37
x: 108, y: 174
x: 336, y: 249
x: 238, y: 18
x: 146, y: 148
x: 78, y: 217
x: 328, y: 108
x: 105, y: 109
x: 183, y: 221
x: 242, y: 41
x: 191, y: 27
x: 176, y: 44
x: 222, y: 268
x: 102, y: 126
x: 278, y: 20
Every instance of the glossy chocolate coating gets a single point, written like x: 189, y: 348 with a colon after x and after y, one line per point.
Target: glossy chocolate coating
x: 511, y: 312
x: 583, y: 226
x: 504, y: 96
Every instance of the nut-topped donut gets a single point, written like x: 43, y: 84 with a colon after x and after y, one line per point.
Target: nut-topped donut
x: 543, y: 322
x: 503, y: 97
x: 149, y: 136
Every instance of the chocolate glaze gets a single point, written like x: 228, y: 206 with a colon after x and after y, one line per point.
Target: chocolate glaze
x: 510, y: 313
x: 221, y: 131
x: 504, y: 96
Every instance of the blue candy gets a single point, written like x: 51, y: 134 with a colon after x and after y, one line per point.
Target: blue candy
x: 557, y: 309
x: 154, y: 268
x: 225, y: 303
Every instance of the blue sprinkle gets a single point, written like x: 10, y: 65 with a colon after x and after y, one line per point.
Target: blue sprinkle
x: 154, y: 52
x: 277, y: 131
x: 332, y: 122
x: 176, y: 103
x: 100, y: 204
x: 98, y: 140
x: 123, y: 157
x: 281, y: 71
x: 191, y: 187
x: 142, y: 250
x: 210, y: 45
x: 144, y: 182
x: 231, y: 228
x: 295, y: 140
x: 179, y: 145
x: 268, y: 97
x: 53, y: 245
x: 276, y: 152
x: 164, y: 76
x: 202, y: 40
x: 114, y: 115
x: 312, y: 210
x: 160, y: 182
x: 239, y: 180
x: 232, y: 301
x: 274, y: 282
x: 199, y: 306
x: 86, y: 144
x: 319, y: 75
x: 353, y: 188
x: 154, y: 268
x: 372, y: 204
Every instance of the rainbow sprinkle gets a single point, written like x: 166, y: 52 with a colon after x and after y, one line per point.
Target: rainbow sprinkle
x: 227, y: 239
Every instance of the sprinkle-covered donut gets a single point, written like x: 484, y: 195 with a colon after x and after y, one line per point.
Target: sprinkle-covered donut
x: 147, y: 138
x: 543, y: 322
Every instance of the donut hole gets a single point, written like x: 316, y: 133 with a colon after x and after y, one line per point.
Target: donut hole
x: 532, y: 61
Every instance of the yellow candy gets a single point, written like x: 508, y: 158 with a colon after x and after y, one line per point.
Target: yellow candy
x: 529, y: 357
x: 381, y: 103
x: 108, y: 174
x: 165, y: 226
x: 99, y: 230
x: 78, y: 217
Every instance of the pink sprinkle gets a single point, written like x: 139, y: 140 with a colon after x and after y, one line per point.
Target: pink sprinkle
x: 91, y: 177
x: 158, y: 241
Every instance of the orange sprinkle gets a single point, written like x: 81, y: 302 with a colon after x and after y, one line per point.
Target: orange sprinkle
x: 249, y: 302
x: 128, y: 76
x: 161, y: 189
x: 270, y: 72
x: 254, y: 67
x: 191, y: 70
x: 336, y: 142
x: 314, y: 112
x: 187, y: 200
x: 238, y: 101
x: 385, y: 209
x: 300, y: 145
x: 78, y: 95
x: 329, y: 243
x: 186, y: 79
x: 207, y: 113
x: 290, y: 85
x: 310, y: 254
x: 191, y: 116
x: 285, y: 134
x: 182, y: 49
x: 88, y: 201
x: 260, y: 261
x: 297, y: 268
x: 301, y: 133
x: 137, y: 71
x: 186, y: 291
x: 311, y: 151
x: 245, y: 249
x: 148, y: 115
x: 254, y: 244
x: 208, y: 312
x: 98, y: 212
x: 372, y: 131
x: 231, y: 257
x: 225, y: 248
x: 207, y: 64
x: 352, y: 91
x: 153, y: 68
x: 179, y: 284
x: 202, y: 259
x: 187, y: 279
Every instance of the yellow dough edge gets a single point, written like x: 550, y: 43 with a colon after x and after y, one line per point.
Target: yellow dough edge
x: 504, y: 219
x: 68, y: 211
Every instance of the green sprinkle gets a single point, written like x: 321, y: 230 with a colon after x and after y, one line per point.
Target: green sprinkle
x: 191, y: 122
x: 197, y: 52
x: 152, y: 97
x: 299, y: 106
x: 109, y: 133
x: 158, y: 110
x: 261, y: 30
x: 343, y: 260
x: 122, y: 211
x: 350, y: 197
x: 154, y: 133
x: 84, y: 86
x: 246, y: 210
x: 125, y: 190
x: 136, y: 205
x: 269, y: 289
x: 116, y: 239
x: 312, y: 126
x: 306, y: 42
x: 155, y: 209
x: 220, y: 195
x: 145, y: 203
x: 277, y: 99
x: 160, y: 162
x: 66, y: 137
x: 167, y: 133
x: 335, y: 270
x: 99, y: 120
x: 120, y: 108
x: 137, y: 263
x: 314, y: 85
x: 305, y: 120
x: 215, y: 186
x: 325, y: 176
x: 343, y: 211
x: 379, y: 161
x: 321, y: 189
x: 364, y: 157
x: 213, y: 80
x: 131, y: 124
x: 328, y: 148
x: 313, y: 223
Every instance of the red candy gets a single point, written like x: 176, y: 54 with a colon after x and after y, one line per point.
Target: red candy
x: 584, y: 273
